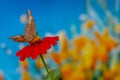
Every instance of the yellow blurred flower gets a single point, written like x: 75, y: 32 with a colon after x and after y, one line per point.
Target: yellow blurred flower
x: 73, y: 72
x: 78, y: 76
x: 64, y: 55
x: 79, y: 72
x: 117, y: 28
x: 75, y: 55
x: 24, y: 64
x: 88, y: 55
x: 79, y: 60
x: 63, y: 42
x: 25, y: 75
x: 115, y: 70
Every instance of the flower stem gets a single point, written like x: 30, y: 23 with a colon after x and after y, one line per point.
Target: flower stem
x: 46, y: 68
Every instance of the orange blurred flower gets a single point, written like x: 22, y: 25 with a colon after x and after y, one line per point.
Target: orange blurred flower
x: 56, y: 57
x: 106, y: 40
x: 79, y: 42
x: 25, y: 75
x: 102, y: 53
x: 39, y: 64
x: 108, y: 75
x: 89, y: 24
x: 66, y: 71
x: 64, y: 53
x: 1, y: 77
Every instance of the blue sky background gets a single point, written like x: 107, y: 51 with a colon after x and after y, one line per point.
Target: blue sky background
x: 50, y: 16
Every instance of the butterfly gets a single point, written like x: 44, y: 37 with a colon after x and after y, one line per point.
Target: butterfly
x: 30, y: 30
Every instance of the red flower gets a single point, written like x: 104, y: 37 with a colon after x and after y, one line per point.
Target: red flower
x: 37, y: 47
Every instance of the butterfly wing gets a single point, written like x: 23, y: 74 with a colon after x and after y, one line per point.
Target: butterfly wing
x: 30, y: 30
x: 18, y: 38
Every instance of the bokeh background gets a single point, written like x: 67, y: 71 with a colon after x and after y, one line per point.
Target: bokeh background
x: 89, y: 33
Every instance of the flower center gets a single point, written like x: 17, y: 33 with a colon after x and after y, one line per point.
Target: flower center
x: 35, y: 40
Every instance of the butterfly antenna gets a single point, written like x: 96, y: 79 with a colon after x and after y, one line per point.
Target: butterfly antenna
x: 10, y: 37
x: 37, y: 32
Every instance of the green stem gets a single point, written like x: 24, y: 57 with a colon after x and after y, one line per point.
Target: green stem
x: 46, y: 68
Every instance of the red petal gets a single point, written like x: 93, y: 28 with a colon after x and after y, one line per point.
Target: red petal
x: 26, y: 52
x: 46, y: 44
x: 34, y: 56
x: 29, y: 51
x: 55, y: 38
x: 34, y: 51
x: 22, y: 57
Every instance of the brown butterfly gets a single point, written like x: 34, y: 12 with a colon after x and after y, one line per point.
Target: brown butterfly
x: 30, y: 30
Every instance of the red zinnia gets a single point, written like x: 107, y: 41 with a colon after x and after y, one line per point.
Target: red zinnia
x: 37, y: 47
